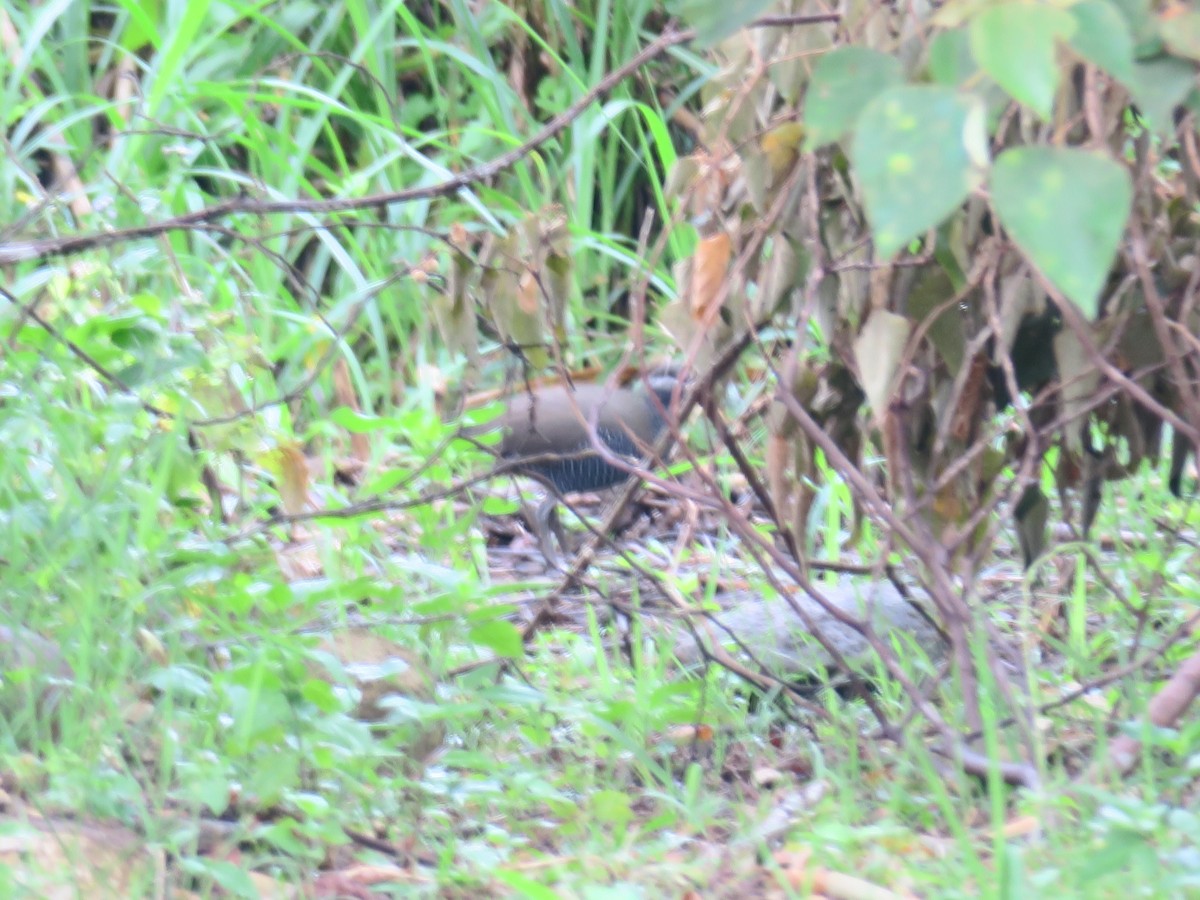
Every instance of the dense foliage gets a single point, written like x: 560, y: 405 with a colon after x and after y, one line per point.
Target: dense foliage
x: 934, y: 267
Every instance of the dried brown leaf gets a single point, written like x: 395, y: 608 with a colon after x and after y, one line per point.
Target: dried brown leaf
x: 710, y: 264
x: 293, y: 478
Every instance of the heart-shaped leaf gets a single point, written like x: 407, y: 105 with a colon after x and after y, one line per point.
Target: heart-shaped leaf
x: 843, y: 82
x: 917, y: 152
x: 1014, y: 43
x: 1066, y: 209
x: 1102, y: 37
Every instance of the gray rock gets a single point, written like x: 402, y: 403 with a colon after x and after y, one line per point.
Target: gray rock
x: 778, y: 636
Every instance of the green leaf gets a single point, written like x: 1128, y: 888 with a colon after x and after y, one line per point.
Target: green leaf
x: 180, y: 681
x: 385, y: 482
x: 843, y: 82
x: 357, y: 423
x: 611, y: 807
x: 1102, y: 37
x: 931, y: 289
x: 1032, y: 513
x: 234, y: 879
x: 1159, y: 85
x: 500, y: 636
x: 178, y: 42
x: 142, y: 26
x: 1181, y: 34
x: 917, y: 152
x: 1141, y: 25
x: 499, y: 506
x: 525, y: 886
x: 952, y: 64
x: 1066, y: 209
x: 1193, y: 102
x: 950, y: 59
x: 715, y: 20
x: 1014, y: 44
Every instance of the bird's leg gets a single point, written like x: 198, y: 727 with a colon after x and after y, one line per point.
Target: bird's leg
x: 546, y: 520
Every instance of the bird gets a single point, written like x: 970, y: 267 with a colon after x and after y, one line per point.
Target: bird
x: 544, y: 430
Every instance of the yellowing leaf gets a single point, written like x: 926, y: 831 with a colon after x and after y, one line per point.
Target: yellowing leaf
x: 879, y: 349
x: 293, y: 478
x: 781, y: 145
x: 527, y: 293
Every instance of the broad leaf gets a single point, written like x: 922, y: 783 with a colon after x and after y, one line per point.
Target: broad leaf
x: 1181, y: 32
x: 917, y: 153
x: 950, y: 59
x: 879, y: 349
x: 715, y: 20
x: 1014, y: 44
x: 1080, y: 378
x: 931, y: 290
x: 357, y: 423
x: 1032, y: 513
x: 1141, y: 25
x: 1159, y: 85
x: 843, y: 82
x: 1066, y: 209
x: 1102, y: 37
x: 500, y: 636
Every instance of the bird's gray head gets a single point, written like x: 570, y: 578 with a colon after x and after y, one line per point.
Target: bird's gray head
x: 663, y: 382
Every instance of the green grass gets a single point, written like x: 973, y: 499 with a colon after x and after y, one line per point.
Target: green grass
x: 196, y: 691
